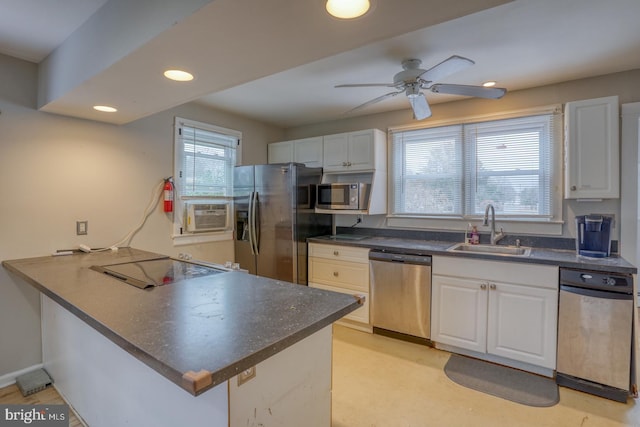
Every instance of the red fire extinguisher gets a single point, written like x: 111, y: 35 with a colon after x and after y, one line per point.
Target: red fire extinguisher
x: 168, y: 195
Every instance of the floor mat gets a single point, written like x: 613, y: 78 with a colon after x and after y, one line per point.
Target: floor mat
x: 501, y: 381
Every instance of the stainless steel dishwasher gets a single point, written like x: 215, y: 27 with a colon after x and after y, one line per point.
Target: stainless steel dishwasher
x: 401, y: 293
x: 595, y: 333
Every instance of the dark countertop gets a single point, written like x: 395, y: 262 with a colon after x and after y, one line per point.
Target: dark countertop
x: 559, y: 257
x: 223, y: 323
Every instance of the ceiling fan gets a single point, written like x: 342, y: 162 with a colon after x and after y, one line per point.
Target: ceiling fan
x: 413, y: 79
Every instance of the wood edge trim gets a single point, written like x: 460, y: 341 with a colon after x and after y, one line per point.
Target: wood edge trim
x: 194, y: 382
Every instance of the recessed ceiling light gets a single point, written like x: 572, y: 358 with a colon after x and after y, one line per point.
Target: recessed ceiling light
x: 489, y: 84
x: 105, y: 108
x: 347, y: 9
x: 178, y: 75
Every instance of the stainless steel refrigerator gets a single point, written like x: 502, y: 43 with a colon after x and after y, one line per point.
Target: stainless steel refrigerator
x: 274, y: 215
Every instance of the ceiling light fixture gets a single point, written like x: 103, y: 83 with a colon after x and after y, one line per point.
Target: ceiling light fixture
x: 490, y: 83
x: 105, y: 108
x: 347, y: 9
x: 178, y: 75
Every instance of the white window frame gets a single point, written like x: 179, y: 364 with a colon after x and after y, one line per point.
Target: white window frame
x: 179, y: 234
x: 548, y: 226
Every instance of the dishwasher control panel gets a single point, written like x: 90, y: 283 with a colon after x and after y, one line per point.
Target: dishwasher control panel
x: 597, y: 280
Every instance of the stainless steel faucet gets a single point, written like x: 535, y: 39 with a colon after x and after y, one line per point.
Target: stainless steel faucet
x: 495, y: 237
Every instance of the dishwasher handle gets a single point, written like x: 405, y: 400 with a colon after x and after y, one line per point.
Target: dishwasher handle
x: 385, y: 256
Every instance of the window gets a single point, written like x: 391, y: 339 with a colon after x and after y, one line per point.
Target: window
x: 456, y: 170
x: 205, y: 156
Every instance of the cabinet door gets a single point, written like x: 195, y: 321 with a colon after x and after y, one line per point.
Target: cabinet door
x: 335, y: 152
x: 592, y: 148
x: 459, y: 312
x: 522, y: 323
x: 361, y: 151
x: 280, y: 152
x: 308, y: 151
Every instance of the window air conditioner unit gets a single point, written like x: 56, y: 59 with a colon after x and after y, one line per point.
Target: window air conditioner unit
x: 213, y: 216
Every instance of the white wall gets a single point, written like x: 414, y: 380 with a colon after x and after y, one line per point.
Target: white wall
x: 55, y: 170
x: 624, y: 84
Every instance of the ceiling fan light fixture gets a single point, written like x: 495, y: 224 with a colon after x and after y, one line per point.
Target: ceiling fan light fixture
x: 178, y: 75
x: 347, y: 9
x: 412, y: 91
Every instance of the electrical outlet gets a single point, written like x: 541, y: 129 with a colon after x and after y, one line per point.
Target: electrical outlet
x: 82, y: 227
x: 246, y: 375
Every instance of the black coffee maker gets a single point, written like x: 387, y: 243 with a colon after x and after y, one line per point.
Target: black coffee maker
x: 593, y: 236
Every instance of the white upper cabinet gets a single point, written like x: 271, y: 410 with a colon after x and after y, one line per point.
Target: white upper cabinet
x: 592, y: 147
x: 307, y: 151
x: 280, y: 152
x: 355, y: 151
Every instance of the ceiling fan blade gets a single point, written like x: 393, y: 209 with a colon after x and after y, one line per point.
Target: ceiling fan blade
x: 420, y: 106
x: 477, y: 91
x: 447, y: 67
x: 367, y: 85
x: 374, y: 100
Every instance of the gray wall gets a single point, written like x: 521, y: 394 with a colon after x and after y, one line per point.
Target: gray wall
x: 56, y: 170
x: 624, y: 84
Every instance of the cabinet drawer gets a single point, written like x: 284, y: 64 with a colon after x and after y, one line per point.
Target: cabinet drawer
x: 338, y: 252
x: 343, y: 274
x: 359, y: 315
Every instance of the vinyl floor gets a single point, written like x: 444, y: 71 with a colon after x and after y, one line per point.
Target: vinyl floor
x: 49, y: 396
x: 384, y: 382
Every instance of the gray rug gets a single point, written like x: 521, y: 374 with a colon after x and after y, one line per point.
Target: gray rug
x: 501, y: 381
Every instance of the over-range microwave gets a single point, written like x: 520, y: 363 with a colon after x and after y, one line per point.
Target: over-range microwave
x: 340, y: 195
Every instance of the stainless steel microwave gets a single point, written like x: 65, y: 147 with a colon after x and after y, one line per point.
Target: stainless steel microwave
x: 341, y: 195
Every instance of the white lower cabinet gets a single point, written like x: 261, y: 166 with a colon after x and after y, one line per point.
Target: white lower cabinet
x: 342, y: 269
x: 502, y: 309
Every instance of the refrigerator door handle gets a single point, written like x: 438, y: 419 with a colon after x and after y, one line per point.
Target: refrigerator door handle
x: 251, y: 223
x: 255, y: 224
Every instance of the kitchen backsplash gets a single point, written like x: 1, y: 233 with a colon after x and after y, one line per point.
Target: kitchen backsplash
x: 458, y: 236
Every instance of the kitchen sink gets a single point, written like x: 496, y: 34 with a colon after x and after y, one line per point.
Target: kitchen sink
x: 491, y: 249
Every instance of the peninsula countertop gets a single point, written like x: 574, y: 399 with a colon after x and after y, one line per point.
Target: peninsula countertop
x: 221, y: 324
x: 560, y: 257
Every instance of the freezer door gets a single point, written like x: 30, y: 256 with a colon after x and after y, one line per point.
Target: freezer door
x: 594, y: 336
x: 242, y: 191
x: 276, y: 257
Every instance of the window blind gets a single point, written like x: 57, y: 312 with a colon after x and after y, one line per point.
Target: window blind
x: 509, y: 165
x: 456, y: 170
x: 427, y: 171
x: 207, y: 165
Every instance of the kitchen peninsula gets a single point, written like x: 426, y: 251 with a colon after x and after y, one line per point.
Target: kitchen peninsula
x: 185, y: 352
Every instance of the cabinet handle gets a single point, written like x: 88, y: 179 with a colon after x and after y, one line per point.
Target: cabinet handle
x: 483, y: 286
x: 336, y: 253
x: 348, y: 163
x: 344, y: 163
x: 335, y: 274
x: 492, y: 286
x: 573, y: 188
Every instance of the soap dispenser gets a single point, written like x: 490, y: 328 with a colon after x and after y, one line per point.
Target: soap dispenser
x: 475, y: 236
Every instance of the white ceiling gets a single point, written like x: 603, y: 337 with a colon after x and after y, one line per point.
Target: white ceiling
x: 31, y: 29
x: 283, y: 71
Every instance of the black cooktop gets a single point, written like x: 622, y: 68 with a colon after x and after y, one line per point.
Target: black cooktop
x: 155, y: 272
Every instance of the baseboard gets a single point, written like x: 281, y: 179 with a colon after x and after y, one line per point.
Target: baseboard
x: 10, y: 378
